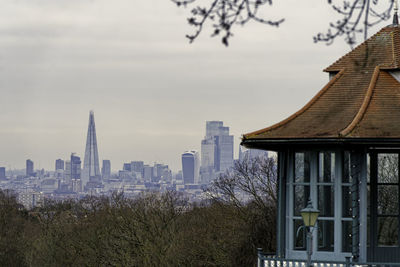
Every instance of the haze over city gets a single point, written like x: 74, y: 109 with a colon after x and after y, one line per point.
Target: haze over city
x: 152, y: 91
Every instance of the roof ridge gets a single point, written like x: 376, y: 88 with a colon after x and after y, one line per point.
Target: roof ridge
x: 357, y: 48
x: 364, y: 105
x: 299, y: 112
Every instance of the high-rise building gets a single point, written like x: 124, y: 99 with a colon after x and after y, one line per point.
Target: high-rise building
x: 75, y: 167
x: 137, y: 166
x: 2, y: 173
x: 216, y: 150
x: 106, y: 169
x: 29, y: 167
x: 91, y: 169
x: 59, y: 164
x: 127, y: 167
x: 147, y: 173
x: 67, y: 172
x: 191, y: 167
x: 73, y: 176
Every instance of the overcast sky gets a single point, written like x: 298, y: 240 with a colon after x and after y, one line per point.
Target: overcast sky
x: 151, y: 91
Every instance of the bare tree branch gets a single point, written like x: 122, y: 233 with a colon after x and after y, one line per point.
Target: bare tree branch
x: 357, y: 17
x: 224, y: 14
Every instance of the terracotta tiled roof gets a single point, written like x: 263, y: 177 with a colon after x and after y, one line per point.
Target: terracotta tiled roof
x: 361, y: 101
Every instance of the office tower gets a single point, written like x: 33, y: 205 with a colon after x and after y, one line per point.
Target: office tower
x: 59, y: 164
x: 29, y: 167
x: 137, y: 166
x: 91, y: 169
x: 127, y: 167
x: 147, y: 173
x: 73, y: 176
x: 191, y: 167
x: 67, y: 172
x: 161, y: 172
x: 216, y: 150
x: 2, y: 173
x: 106, y: 169
x: 75, y: 167
x: 225, y: 152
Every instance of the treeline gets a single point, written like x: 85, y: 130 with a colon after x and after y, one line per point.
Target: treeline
x: 151, y: 230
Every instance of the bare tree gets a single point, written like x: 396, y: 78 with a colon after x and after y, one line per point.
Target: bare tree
x: 224, y: 14
x: 355, y: 17
x: 250, y: 187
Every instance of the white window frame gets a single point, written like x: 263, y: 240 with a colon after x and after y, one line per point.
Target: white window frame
x: 337, y: 254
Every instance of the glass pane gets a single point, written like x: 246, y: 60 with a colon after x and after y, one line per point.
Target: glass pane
x: 326, y: 167
x: 347, y: 240
x: 326, y: 201
x: 388, y: 232
x: 325, y: 235
x: 388, y: 168
x: 299, y: 235
x: 302, y: 167
x: 301, y: 196
x: 346, y: 168
x: 346, y: 202
x: 388, y: 199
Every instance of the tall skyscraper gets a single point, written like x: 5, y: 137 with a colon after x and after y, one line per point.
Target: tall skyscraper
x: 75, y: 167
x: 73, y: 173
x: 216, y: 150
x: 127, y: 167
x: 147, y: 173
x: 106, y: 169
x: 91, y: 169
x: 29, y: 167
x: 137, y: 166
x: 59, y: 164
x: 191, y: 167
x: 2, y: 173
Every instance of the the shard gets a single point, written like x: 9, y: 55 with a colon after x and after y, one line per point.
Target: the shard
x: 91, y: 169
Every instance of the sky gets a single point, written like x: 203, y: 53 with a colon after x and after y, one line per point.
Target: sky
x: 150, y: 90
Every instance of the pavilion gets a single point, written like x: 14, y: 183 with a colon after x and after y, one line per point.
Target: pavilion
x: 342, y: 151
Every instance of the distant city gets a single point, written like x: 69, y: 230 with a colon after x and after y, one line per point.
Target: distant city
x: 70, y: 180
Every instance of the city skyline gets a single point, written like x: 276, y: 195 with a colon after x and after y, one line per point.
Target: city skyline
x: 150, y: 89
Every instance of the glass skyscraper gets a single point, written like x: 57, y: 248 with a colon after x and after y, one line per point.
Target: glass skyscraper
x: 91, y: 169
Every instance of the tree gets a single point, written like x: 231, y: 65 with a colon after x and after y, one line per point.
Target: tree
x: 250, y: 187
x: 355, y: 17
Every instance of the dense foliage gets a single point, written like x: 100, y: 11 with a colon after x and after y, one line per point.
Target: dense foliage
x: 152, y: 230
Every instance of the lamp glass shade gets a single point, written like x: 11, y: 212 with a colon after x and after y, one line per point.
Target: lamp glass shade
x: 309, y: 214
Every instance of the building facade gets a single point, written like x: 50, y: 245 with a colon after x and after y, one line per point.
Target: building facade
x: 106, y: 169
x: 59, y: 164
x: 191, y: 167
x: 216, y: 150
x: 91, y: 169
x: 2, y: 173
x: 29, y: 168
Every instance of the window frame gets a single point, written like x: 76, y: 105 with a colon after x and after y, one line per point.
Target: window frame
x: 338, y: 220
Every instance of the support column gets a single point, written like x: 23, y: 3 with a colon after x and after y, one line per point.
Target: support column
x: 281, y: 208
x: 355, y: 161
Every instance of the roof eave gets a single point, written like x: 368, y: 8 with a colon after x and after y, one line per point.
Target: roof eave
x: 319, y: 143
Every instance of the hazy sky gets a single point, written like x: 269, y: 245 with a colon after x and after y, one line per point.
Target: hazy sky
x: 151, y: 91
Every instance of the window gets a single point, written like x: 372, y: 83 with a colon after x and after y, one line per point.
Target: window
x: 325, y: 178
x: 301, y: 194
x: 326, y: 201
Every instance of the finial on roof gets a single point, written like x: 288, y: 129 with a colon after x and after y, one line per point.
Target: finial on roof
x: 395, y: 16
